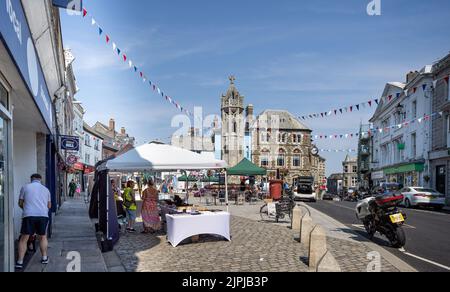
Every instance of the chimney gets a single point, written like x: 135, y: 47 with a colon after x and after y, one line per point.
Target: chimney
x: 112, y: 125
x: 411, y: 75
x: 123, y: 131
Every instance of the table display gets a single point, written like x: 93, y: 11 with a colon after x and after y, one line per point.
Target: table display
x: 182, y: 226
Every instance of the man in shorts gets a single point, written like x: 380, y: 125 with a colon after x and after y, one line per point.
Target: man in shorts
x: 35, y: 201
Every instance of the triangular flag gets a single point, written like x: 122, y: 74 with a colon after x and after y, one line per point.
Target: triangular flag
x: 370, y: 103
x: 118, y: 51
x: 84, y: 12
x: 107, y: 39
x: 424, y: 87
x: 93, y: 21
x: 351, y: 109
x: 335, y: 112
x: 340, y: 110
x: 100, y: 30
x: 376, y: 101
x: 406, y: 92
x: 124, y: 58
x: 114, y: 46
x: 154, y: 87
x: 414, y: 89
x: 390, y: 97
x: 135, y: 69
x: 398, y: 95
x: 357, y: 107
x: 130, y: 64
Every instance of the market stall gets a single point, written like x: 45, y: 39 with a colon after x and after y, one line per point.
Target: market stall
x: 150, y: 157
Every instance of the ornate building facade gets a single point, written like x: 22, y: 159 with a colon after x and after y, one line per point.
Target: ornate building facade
x: 281, y: 143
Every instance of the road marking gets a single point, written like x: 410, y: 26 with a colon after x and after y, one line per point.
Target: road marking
x: 424, y: 260
x: 409, y: 226
x: 345, y: 207
x: 426, y: 212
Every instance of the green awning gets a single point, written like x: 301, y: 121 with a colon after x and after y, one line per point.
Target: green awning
x: 185, y: 178
x: 419, y: 167
x: 247, y: 168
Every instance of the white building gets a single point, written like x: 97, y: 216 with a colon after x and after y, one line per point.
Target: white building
x: 402, y: 131
x: 92, y: 147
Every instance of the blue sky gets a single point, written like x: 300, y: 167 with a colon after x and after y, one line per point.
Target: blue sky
x: 303, y: 56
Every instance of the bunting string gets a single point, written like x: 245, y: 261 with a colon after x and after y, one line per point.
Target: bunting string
x: 369, y: 104
x: 126, y: 59
x: 338, y: 150
x: 338, y: 136
x: 425, y: 118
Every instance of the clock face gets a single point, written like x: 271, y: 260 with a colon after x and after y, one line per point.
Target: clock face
x: 315, y: 151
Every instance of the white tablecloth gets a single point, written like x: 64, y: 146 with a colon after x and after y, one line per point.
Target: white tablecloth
x: 183, y: 226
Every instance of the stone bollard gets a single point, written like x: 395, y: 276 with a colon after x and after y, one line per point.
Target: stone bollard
x: 306, y: 227
x: 317, y: 246
x: 296, y: 218
x: 328, y: 264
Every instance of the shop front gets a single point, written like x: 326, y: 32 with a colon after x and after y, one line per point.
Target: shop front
x: 26, y: 123
x: 409, y: 175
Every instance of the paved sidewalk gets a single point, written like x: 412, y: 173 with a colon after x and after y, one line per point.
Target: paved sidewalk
x: 73, y: 231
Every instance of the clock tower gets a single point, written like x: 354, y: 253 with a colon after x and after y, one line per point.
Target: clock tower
x: 233, y: 127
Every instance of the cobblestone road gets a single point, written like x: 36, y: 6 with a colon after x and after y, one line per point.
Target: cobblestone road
x: 255, y: 247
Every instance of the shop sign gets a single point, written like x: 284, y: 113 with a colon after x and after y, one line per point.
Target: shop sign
x: 72, y: 159
x: 75, y: 5
x: 78, y: 166
x: 70, y: 143
x: 16, y: 34
x: 377, y: 175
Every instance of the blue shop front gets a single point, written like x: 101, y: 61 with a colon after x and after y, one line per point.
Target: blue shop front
x: 27, y: 119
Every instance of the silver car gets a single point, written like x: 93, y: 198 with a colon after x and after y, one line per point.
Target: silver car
x: 422, y: 197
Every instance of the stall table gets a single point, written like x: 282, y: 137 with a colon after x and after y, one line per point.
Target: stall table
x: 184, y: 226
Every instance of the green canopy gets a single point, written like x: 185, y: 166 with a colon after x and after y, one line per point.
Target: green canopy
x: 247, y: 168
x: 185, y: 178
x: 211, y: 179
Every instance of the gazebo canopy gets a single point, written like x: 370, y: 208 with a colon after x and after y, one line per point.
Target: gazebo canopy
x: 186, y: 178
x: 247, y: 168
x: 161, y: 157
x: 210, y: 179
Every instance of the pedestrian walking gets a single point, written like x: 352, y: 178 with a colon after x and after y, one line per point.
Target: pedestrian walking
x: 72, y: 188
x: 130, y: 205
x: 150, y: 212
x: 35, y: 201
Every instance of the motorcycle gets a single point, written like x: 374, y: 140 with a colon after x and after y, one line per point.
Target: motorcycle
x: 380, y: 214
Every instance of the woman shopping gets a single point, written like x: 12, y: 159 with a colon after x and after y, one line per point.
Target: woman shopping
x: 150, y: 211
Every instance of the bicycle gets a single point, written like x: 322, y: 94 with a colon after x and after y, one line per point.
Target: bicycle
x: 283, y: 208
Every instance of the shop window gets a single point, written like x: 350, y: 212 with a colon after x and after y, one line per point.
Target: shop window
x: 4, y: 96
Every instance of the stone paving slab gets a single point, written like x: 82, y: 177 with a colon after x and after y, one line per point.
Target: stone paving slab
x: 72, y: 231
x: 255, y: 247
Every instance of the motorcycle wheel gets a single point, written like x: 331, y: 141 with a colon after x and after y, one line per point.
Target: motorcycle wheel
x: 369, y: 229
x: 398, y: 237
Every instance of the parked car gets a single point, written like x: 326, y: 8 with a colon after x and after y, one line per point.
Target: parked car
x: 386, y: 189
x: 422, y: 197
x: 305, y: 192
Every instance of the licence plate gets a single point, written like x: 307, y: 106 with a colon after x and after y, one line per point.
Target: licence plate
x: 397, y: 218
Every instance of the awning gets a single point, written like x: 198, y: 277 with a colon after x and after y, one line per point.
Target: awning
x: 419, y: 167
x: 246, y: 167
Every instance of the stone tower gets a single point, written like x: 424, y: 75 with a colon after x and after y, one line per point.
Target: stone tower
x: 233, y: 127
